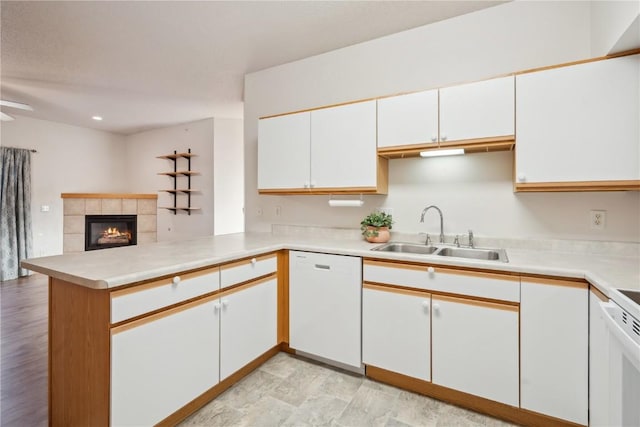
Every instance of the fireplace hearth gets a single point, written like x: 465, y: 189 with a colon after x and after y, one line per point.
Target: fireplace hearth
x: 109, y: 231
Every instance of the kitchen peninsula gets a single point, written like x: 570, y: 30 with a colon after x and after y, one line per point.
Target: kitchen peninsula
x: 205, y: 312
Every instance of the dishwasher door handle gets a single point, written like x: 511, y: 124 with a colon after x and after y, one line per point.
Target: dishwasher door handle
x: 322, y: 267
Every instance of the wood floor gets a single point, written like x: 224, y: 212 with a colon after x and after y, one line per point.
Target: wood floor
x: 23, y: 352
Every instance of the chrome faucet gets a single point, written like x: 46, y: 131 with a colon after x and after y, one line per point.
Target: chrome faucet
x: 441, y: 220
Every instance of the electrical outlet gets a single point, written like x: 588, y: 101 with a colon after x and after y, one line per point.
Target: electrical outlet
x: 388, y: 211
x: 598, y: 220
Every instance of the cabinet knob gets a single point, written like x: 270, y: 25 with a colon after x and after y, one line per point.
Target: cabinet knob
x: 253, y: 261
x: 426, y: 305
x: 436, y: 308
x: 176, y: 280
x: 225, y: 302
x: 434, y: 138
x: 431, y: 270
x: 216, y: 306
x: 522, y: 177
x: 443, y: 136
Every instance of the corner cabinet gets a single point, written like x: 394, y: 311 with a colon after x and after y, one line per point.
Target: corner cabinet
x: 180, y: 204
x: 325, y: 151
x: 578, y: 127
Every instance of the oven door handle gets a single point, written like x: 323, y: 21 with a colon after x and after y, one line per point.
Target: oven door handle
x: 629, y: 347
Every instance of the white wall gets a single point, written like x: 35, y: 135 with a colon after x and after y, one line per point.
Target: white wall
x: 70, y: 159
x: 143, y: 168
x: 474, y: 191
x: 228, y: 176
x: 614, y: 26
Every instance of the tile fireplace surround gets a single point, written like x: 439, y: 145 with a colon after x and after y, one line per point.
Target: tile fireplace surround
x: 77, y: 205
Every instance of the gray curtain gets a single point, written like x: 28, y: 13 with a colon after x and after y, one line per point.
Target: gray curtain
x: 15, y: 211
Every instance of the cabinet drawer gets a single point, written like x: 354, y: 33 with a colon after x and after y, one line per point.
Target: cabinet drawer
x: 137, y: 300
x: 484, y: 285
x: 247, y: 269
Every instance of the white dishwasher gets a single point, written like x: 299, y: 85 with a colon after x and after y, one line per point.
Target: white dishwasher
x: 325, y: 293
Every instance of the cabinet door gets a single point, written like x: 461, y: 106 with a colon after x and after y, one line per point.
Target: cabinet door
x: 598, y: 364
x: 396, y: 330
x: 248, y: 325
x: 343, y: 146
x: 579, y: 123
x: 283, y: 151
x: 478, y: 110
x: 475, y: 347
x: 160, y: 364
x: 554, y: 348
x: 408, y: 119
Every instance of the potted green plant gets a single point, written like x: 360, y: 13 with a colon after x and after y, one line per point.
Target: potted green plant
x: 375, y: 227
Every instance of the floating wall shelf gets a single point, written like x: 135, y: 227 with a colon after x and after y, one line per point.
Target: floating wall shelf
x: 177, y: 174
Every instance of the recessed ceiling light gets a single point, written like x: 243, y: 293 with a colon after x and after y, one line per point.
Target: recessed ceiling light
x: 98, y: 118
x: 437, y: 153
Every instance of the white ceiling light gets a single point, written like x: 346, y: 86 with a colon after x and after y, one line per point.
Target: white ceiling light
x: 98, y: 118
x: 4, y: 116
x: 438, y: 153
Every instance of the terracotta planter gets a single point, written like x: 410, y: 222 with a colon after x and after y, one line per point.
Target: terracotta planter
x: 383, y: 235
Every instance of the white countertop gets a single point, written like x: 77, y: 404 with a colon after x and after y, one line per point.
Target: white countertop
x: 120, y: 266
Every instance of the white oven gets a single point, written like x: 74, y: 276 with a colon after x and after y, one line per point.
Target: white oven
x: 624, y: 365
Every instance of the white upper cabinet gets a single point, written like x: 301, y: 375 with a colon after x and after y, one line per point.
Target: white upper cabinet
x: 408, y: 119
x: 478, y: 110
x: 321, y: 151
x: 284, y: 144
x: 579, y: 123
x: 343, y: 146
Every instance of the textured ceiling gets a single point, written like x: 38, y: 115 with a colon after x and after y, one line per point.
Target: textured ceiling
x: 147, y: 64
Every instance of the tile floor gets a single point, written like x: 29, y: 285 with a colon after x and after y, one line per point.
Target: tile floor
x: 291, y: 391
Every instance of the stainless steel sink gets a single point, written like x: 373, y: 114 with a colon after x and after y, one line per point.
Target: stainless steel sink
x: 475, y: 253
x: 446, y: 251
x: 407, y: 248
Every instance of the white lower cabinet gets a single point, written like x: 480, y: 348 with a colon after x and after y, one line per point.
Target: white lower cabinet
x: 249, y: 324
x: 396, y: 330
x: 554, y: 348
x: 161, y: 363
x: 475, y: 347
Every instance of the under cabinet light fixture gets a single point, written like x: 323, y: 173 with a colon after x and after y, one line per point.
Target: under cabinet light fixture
x: 438, y: 153
x: 97, y: 118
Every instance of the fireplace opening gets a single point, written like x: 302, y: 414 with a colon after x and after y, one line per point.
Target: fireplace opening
x: 109, y: 231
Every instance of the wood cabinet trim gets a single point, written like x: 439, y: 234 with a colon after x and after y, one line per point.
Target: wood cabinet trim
x: 480, y: 303
x: 218, y: 389
x: 598, y: 293
x: 581, y: 61
x: 396, y: 290
x: 107, y: 196
x: 477, y: 145
x: 513, y: 277
x: 621, y: 185
x: 164, y: 312
x: 465, y: 400
x: 246, y: 285
x: 247, y: 261
x: 433, y: 292
x: 549, y: 281
x: 320, y: 191
x: 283, y: 296
x: 143, y: 286
x: 79, y: 355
